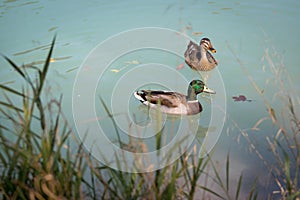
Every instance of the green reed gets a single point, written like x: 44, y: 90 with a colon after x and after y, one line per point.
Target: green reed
x: 36, y: 159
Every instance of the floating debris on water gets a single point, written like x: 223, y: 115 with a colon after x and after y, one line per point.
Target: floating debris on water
x: 42, y: 47
x: 72, y: 69
x: 61, y: 58
x: 52, y: 28
x: 188, y: 27
x: 38, y: 8
x: 115, y: 70
x: 8, y: 82
x: 133, y: 62
x: 39, y: 62
x: 66, y: 44
x: 226, y: 8
x: 31, y: 50
x: 197, y: 33
x: 180, y: 66
x: 29, y: 2
x: 241, y: 98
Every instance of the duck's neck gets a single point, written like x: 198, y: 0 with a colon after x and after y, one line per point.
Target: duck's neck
x: 203, y: 50
x: 191, y: 95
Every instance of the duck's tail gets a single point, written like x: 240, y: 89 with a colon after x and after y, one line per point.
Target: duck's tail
x: 140, y: 95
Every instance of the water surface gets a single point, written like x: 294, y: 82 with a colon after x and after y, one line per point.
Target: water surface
x: 248, y: 28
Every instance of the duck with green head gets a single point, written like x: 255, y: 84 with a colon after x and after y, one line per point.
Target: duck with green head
x: 173, y: 102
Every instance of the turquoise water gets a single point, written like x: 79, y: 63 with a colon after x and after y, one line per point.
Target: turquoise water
x: 248, y: 28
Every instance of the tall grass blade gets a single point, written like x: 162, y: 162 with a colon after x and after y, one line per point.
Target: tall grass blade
x: 158, y: 139
x: 11, y: 106
x: 42, y: 114
x: 171, y: 189
x: 12, y: 91
x: 227, y: 172
x: 113, y: 121
x: 46, y: 66
x: 212, y: 192
x: 239, y: 187
x: 252, y: 194
x: 218, y: 178
x: 15, y: 67
x: 287, y: 166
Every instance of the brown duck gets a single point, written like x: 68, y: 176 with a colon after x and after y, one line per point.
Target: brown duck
x: 198, y: 56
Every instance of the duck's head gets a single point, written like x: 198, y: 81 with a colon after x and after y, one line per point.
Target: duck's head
x: 206, y: 44
x: 198, y: 86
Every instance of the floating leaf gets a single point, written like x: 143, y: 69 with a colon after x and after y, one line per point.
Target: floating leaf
x: 197, y: 33
x: 52, y: 28
x: 115, y: 70
x: 72, y: 69
x: 30, y: 50
x: 188, y: 27
x: 226, y: 8
x: 8, y: 82
x: 180, y: 66
x: 133, y: 62
x: 61, y: 58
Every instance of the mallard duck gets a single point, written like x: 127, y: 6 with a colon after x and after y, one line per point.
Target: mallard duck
x: 174, y: 102
x: 198, y: 57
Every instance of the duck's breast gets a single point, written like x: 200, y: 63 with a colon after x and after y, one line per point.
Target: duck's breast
x: 194, y: 108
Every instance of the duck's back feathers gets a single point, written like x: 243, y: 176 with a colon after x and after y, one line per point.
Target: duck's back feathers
x: 168, y: 102
x: 168, y: 99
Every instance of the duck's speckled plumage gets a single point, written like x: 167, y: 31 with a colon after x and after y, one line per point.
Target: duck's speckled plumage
x: 198, y: 56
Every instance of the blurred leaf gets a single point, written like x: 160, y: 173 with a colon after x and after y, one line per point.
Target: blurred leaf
x: 12, y: 91
x: 46, y: 66
x: 238, y: 187
x: 272, y: 115
x: 11, y: 106
x: 255, y: 127
x: 212, y: 192
x: 113, y: 121
x: 15, y: 67
x: 227, y: 172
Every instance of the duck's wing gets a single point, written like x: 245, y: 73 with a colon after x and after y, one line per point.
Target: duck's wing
x: 192, y: 49
x: 192, y: 55
x: 168, y: 99
x: 211, y: 59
